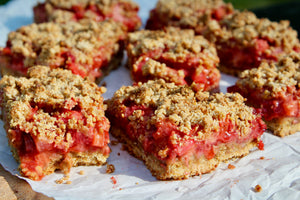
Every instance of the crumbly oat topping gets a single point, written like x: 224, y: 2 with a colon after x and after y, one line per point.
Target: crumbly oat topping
x: 34, y: 104
x: 274, y: 78
x: 245, y: 27
x: 160, y: 70
x: 189, y: 12
x: 185, y: 108
x: 63, y: 11
x: 44, y: 43
x: 175, y: 42
x: 67, y: 4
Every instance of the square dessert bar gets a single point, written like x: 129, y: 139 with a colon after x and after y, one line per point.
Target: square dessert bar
x: 90, y: 49
x: 54, y: 120
x: 192, y: 14
x: 274, y: 88
x: 243, y: 41
x: 123, y: 11
x: 174, y: 55
x: 179, y: 133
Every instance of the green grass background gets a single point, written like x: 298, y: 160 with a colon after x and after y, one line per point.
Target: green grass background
x: 253, y: 4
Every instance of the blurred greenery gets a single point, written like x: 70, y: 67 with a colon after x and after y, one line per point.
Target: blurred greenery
x: 253, y: 4
x: 3, y: 2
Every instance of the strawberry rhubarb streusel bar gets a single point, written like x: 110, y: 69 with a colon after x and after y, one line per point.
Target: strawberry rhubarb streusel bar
x: 90, y: 49
x: 243, y: 41
x: 191, y: 14
x: 123, y: 11
x: 274, y: 88
x: 54, y: 120
x: 174, y: 55
x: 179, y: 133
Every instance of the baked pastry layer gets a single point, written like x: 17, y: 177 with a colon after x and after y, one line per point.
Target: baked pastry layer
x: 54, y: 120
x: 179, y: 133
x: 274, y: 88
x: 243, y: 41
x: 175, y: 55
x: 84, y: 48
x: 122, y: 11
x: 187, y: 14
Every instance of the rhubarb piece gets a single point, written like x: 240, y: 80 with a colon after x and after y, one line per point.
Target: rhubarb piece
x: 54, y: 120
x: 274, y: 88
x: 191, y: 14
x: 243, y: 41
x: 174, y: 55
x: 179, y: 133
x: 90, y: 49
x: 123, y: 11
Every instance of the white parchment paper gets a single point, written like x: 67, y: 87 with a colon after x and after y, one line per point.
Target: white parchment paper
x: 278, y: 173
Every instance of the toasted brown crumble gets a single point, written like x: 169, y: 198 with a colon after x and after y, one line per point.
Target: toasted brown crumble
x: 110, y: 168
x: 176, y: 42
x: 56, y: 89
x: 46, y: 43
x: 258, y: 188
x: 245, y: 27
x: 188, y: 13
x: 63, y: 11
x: 104, y: 4
x: 64, y: 179
x: 185, y: 108
x: 274, y: 78
x: 114, y: 142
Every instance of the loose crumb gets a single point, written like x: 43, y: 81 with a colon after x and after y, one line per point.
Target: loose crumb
x: 262, y: 158
x: 119, y: 154
x: 81, y: 172
x: 124, y: 147
x: 258, y: 188
x: 104, y: 84
x: 110, y: 169
x: 230, y: 166
x: 114, y: 180
x: 68, y: 182
x: 114, y: 142
x: 63, y: 179
x: 120, y: 188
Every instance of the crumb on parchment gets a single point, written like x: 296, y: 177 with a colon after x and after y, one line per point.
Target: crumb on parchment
x: 258, y: 188
x: 110, y: 168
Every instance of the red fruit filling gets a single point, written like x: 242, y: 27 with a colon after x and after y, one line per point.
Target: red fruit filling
x: 282, y: 105
x: 159, y: 136
x: 36, y: 154
x: 66, y: 59
x: 197, y: 69
x: 121, y: 12
x: 158, y: 21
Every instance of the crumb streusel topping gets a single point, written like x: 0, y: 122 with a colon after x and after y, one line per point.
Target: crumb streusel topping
x: 185, y: 108
x: 245, y: 27
x: 103, y: 5
x: 175, y: 42
x: 120, y: 10
x: 189, y: 12
x: 274, y: 77
x: 44, y: 43
x: 36, y: 104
